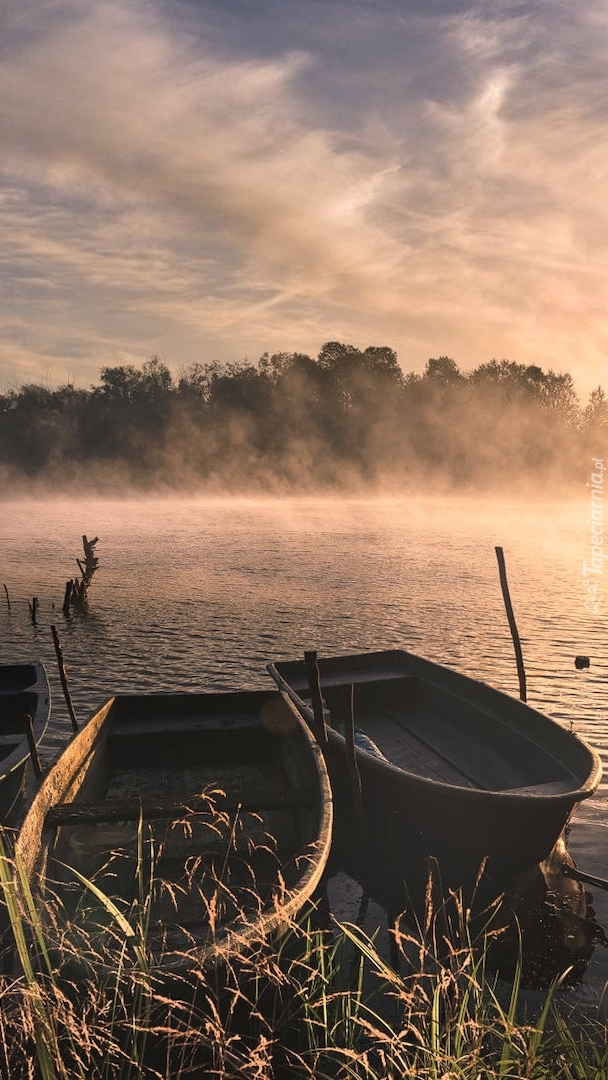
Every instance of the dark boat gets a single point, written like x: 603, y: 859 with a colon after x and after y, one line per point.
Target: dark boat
x: 449, y: 768
x: 24, y: 692
x: 227, y: 794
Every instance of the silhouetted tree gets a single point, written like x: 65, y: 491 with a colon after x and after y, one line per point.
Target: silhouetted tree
x: 196, y: 382
x: 291, y: 419
x: 120, y: 384
x: 444, y: 371
x: 595, y: 414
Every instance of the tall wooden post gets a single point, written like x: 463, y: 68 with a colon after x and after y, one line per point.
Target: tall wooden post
x: 314, y: 685
x: 521, y: 673
x: 64, y: 679
x: 31, y: 741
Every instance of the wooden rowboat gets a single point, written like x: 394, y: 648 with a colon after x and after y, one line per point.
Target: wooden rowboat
x: 448, y: 767
x: 24, y: 693
x: 227, y: 795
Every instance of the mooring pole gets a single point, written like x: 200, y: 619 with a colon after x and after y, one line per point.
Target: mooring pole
x: 64, y: 679
x: 314, y: 685
x: 31, y: 741
x: 512, y: 624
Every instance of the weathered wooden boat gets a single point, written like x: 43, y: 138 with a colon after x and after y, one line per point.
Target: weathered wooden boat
x: 25, y: 705
x: 448, y: 768
x: 221, y: 801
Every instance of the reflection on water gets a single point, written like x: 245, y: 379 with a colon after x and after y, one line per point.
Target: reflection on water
x: 199, y: 594
x: 553, y: 917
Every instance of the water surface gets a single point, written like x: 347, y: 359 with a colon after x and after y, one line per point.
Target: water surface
x: 199, y: 594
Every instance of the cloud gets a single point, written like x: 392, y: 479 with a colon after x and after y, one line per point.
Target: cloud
x: 182, y: 179
x: 153, y: 167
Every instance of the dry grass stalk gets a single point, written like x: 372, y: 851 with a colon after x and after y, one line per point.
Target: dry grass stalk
x: 317, y: 1001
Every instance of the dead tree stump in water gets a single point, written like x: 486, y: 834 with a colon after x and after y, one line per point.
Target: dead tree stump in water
x: 75, y: 589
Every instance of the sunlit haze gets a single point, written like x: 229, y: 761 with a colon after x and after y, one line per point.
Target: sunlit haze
x: 210, y: 179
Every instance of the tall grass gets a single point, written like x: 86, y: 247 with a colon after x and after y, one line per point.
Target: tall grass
x: 321, y: 1001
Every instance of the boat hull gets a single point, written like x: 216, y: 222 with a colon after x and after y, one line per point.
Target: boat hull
x: 455, y: 771
x: 24, y: 690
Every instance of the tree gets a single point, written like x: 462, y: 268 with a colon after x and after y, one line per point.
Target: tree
x: 595, y: 413
x: 527, y: 384
x: 196, y: 381
x: 354, y: 375
x: 382, y: 363
x: 120, y: 383
x: 241, y: 386
x: 156, y: 379
x: 443, y: 371
x: 558, y: 394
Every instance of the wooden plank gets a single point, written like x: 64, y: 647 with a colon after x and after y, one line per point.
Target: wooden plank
x: 491, y: 764
x: 74, y: 813
x: 404, y: 747
x: 166, y: 726
x: 370, y: 677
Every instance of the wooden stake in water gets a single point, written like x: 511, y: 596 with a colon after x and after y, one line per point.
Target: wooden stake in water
x: 69, y: 585
x: 31, y: 740
x: 64, y: 679
x: 314, y: 685
x: 512, y: 624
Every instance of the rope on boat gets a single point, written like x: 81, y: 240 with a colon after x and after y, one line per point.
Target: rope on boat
x: 585, y: 879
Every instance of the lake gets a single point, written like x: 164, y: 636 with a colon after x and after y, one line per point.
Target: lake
x: 195, y: 594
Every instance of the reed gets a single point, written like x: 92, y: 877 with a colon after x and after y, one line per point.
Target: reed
x: 320, y: 1000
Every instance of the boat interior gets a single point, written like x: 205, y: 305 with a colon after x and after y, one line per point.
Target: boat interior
x: 14, y: 706
x: 221, y: 817
x: 434, y: 733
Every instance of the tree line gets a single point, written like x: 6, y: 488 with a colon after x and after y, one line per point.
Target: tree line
x: 347, y: 418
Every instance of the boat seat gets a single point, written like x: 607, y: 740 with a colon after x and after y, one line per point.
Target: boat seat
x: 74, y: 813
x: 355, y: 677
x: 12, y: 739
x: 135, y: 727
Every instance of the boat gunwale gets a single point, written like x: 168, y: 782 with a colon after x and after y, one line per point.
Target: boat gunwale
x: 19, y: 756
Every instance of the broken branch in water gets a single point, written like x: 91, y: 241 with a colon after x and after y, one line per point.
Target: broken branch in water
x: 76, y: 590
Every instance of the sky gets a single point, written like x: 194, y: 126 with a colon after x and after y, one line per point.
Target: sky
x: 208, y: 180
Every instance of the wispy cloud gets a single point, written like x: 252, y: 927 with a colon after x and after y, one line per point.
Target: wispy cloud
x: 183, y: 181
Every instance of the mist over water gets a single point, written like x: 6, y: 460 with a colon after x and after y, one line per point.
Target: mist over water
x: 195, y: 594
x: 195, y: 590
